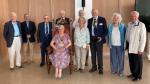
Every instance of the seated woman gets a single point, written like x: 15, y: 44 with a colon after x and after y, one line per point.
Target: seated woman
x: 60, y: 43
x: 81, y: 41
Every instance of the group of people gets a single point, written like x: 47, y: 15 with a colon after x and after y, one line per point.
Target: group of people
x: 88, y: 34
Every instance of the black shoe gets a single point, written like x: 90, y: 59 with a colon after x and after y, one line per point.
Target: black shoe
x: 12, y: 69
x: 92, y: 70
x: 136, y: 79
x: 100, y: 72
x: 130, y: 76
x: 41, y: 65
x: 82, y: 71
x: 20, y: 67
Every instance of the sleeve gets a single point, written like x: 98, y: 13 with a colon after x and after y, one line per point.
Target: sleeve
x: 5, y: 31
x: 38, y: 33
x: 142, y: 39
x: 87, y: 35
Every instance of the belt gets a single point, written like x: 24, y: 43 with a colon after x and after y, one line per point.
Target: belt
x: 17, y: 36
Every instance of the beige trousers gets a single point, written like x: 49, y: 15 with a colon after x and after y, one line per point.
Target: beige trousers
x: 14, y: 52
x: 28, y: 47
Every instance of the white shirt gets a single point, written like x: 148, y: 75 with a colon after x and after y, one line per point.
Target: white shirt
x: 116, y: 36
x: 93, y: 26
x: 136, y: 36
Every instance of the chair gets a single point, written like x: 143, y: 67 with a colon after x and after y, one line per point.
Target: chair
x: 50, y: 50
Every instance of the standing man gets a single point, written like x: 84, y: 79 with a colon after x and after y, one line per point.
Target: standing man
x: 28, y: 38
x: 12, y: 36
x: 44, y: 36
x: 63, y: 19
x: 98, y: 31
x: 136, y: 37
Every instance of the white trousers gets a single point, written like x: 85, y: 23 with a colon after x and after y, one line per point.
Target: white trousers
x: 148, y: 45
x: 14, y: 52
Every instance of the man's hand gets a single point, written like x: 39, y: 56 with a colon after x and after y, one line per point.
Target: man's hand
x: 140, y: 53
x: 28, y: 36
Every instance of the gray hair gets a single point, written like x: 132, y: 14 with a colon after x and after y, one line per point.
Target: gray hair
x: 118, y: 15
x: 135, y: 12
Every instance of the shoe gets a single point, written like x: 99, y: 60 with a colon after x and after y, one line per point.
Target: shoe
x: 130, y: 76
x: 82, y: 71
x: 114, y: 72
x: 100, y: 72
x: 12, y: 69
x: 121, y: 75
x: 41, y: 65
x: 76, y: 70
x: 92, y: 70
x: 20, y: 67
x: 136, y: 79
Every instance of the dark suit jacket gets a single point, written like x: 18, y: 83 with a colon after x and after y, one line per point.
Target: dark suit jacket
x: 28, y: 31
x: 102, y: 28
x: 9, y: 32
x: 41, y: 36
x: 67, y: 21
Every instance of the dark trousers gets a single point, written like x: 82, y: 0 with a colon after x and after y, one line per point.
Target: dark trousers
x: 97, y: 52
x: 44, y: 45
x: 136, y: 65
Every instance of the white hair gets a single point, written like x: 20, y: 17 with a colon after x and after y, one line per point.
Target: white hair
x: 135, y: 12
x: 118, y: 15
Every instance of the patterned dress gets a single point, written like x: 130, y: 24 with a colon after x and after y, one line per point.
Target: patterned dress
x: 60, y: 59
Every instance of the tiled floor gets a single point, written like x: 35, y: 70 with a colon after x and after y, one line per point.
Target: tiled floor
x: 33, y: 74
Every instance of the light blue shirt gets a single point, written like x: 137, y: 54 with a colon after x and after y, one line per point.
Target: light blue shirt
x: 81, y: 36
x: 16, y: 29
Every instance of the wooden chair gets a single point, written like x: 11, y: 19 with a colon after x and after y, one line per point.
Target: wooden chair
x: 50, y: 50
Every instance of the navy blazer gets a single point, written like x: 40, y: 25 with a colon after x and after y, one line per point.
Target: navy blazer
x: 41, y: 36
x: 28, y: 31
x: 101, y: 25
x: 8, y: 32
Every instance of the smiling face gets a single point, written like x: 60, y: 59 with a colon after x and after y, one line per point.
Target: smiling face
x: 46, y: 18
x: 81, y: 21
x: 134, y: 16
x: 61, y: 29
x: 27, y: 17
x: 94, y: 12
x: 13, y: 16
x: 116, y: 19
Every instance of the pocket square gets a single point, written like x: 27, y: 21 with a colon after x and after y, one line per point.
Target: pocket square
x: 100, y: 24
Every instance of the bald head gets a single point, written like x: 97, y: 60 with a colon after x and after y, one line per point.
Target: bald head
x: 134, y: 16
x: 62, y: 13
x: 94, y: 12
x: 13, y: 16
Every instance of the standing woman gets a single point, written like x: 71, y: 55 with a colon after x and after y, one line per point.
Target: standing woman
x: 116, y: 35
x: 60, y: 58
x: 82, y: 40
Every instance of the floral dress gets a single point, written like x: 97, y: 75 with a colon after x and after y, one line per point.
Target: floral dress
x: 60, y: 59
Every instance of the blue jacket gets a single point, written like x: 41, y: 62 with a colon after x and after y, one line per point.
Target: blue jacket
x: 122, y: 30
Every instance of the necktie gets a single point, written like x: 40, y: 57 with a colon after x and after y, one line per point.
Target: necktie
x: 27, y: 22
x: 46, y: 29
x: 95, y: 27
